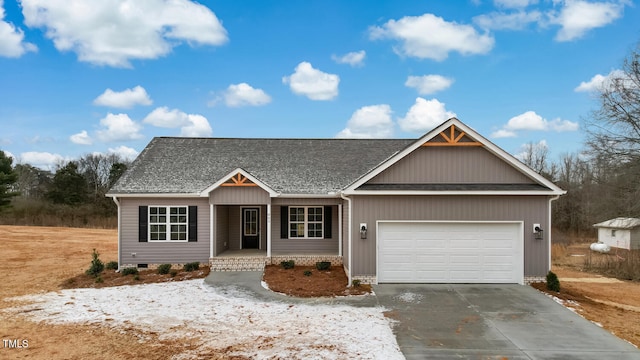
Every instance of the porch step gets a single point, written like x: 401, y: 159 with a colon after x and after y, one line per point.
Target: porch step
x: 255, y: 263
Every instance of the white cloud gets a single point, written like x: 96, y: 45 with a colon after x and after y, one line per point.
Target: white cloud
x: 244, y: 94
x: 424, y: 115
x: 113, y: 32
x: 600, y: 82
x: 577, y: 17
x: 118, y: 127
x: 81, y: 138
x: 530, y: 121
x: 502, y: 133
x: 192, y: 125
x: 507, y: 21
x: 124, y: 151
x: 43, y: 160
x: 354, y: 58
x: 429, y: 36
x: 514, y: 3
x: 526, y: 121
x: 12, y: 39
x: 369, y: 122
x: 124, y: 99
x: 312, y: 83
x: 428, y: 84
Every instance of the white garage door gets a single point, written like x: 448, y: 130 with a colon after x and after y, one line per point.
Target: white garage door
x: 427, y: 252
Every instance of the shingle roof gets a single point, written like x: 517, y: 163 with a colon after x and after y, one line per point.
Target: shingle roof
x: 620, y: 223
x: 290, y: 166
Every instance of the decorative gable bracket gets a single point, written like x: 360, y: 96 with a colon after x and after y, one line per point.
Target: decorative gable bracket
x: 452, y: 137
x: 239, y: 180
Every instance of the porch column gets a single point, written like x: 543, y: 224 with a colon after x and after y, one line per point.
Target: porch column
x: 269, y: 230
x: 212, y: 237
x: 340, y: 229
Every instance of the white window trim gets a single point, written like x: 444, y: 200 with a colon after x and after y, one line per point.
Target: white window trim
x: 167, y: 223
x: 306, y: 222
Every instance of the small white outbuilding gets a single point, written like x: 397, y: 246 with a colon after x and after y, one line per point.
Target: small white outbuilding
x: 623, y: 233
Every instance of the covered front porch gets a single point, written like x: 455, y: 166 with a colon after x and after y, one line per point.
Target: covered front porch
x: 252, y: 226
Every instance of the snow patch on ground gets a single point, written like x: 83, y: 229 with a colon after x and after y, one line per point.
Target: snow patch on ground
x: 224, y: 318
x: 409, y: 297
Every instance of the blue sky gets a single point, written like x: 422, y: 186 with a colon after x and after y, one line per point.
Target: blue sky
x: 85, y: 76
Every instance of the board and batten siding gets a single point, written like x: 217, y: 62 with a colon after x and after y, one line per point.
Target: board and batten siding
x: 240, y: 195
x: 162, y: 252
x: 454, y: 165
x: 304, y: 246
x: 529, y: 209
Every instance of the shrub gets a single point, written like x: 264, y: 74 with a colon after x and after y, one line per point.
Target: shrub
x: 192, y: 266
x: 323, y: 265
x: 136, y: 277
x: 289, y: 264
x: 307, y: 273
x: 356, y: 283
x: 553, y: 283
x: 112, y: 265
x: 164, y: 269
x: 96, y: 265
x: 173, y: 273
x: 99, y: 279
x: 129, y: 271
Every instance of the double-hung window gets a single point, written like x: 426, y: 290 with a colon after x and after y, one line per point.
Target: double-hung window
x: 306, y: 222
x: 168, y: 223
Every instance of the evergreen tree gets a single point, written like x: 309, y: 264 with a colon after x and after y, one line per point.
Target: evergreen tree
x: 8, y: 178
x: 69, y: 186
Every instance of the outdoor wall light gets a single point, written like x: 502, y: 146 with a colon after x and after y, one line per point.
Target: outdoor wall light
x: 363, y: 231
x: 537, y: 232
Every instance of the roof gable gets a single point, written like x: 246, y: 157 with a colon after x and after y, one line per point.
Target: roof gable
x: 454, y: 133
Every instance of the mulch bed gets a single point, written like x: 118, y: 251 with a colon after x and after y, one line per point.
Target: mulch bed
x: 321, y: 283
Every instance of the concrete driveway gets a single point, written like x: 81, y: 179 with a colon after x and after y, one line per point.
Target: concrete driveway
x: 492, y: 322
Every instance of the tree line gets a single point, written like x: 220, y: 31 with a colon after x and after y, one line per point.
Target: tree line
x: 72, y: 195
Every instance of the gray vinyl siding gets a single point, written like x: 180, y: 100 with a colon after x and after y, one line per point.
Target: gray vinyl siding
x: 304, y: 246
x: 239, y: 195
x: 234, y: 227
x: 530, y: 209
x: 221, y: 227
x: 451, y: 164
x: 162, y: 252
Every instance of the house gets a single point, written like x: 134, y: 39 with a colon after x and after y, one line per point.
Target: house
x: 449, y: 207
x: 623, y: 233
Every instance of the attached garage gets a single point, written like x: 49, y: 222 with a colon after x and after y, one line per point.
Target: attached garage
x: 450, y: 252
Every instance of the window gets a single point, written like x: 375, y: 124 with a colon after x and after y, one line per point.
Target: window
x: 613, y: 233
x: 168, y: 223
x: 306, y: 222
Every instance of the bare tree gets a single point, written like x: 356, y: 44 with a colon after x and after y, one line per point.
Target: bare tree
x: 614, y: 128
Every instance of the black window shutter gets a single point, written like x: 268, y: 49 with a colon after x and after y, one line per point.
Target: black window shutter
x: 193, y: 223
x: 327, y: 222
x: 143, y: 222
x: 284, y: 222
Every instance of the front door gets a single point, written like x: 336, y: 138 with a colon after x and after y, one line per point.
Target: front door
x: 250, y: 228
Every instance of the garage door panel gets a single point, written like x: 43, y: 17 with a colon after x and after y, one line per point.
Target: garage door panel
x: 450, y: 252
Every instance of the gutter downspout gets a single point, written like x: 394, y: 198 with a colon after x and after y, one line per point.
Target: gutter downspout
x: 115, y: 200
x: 349, y: 275
x: 552, y: 199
